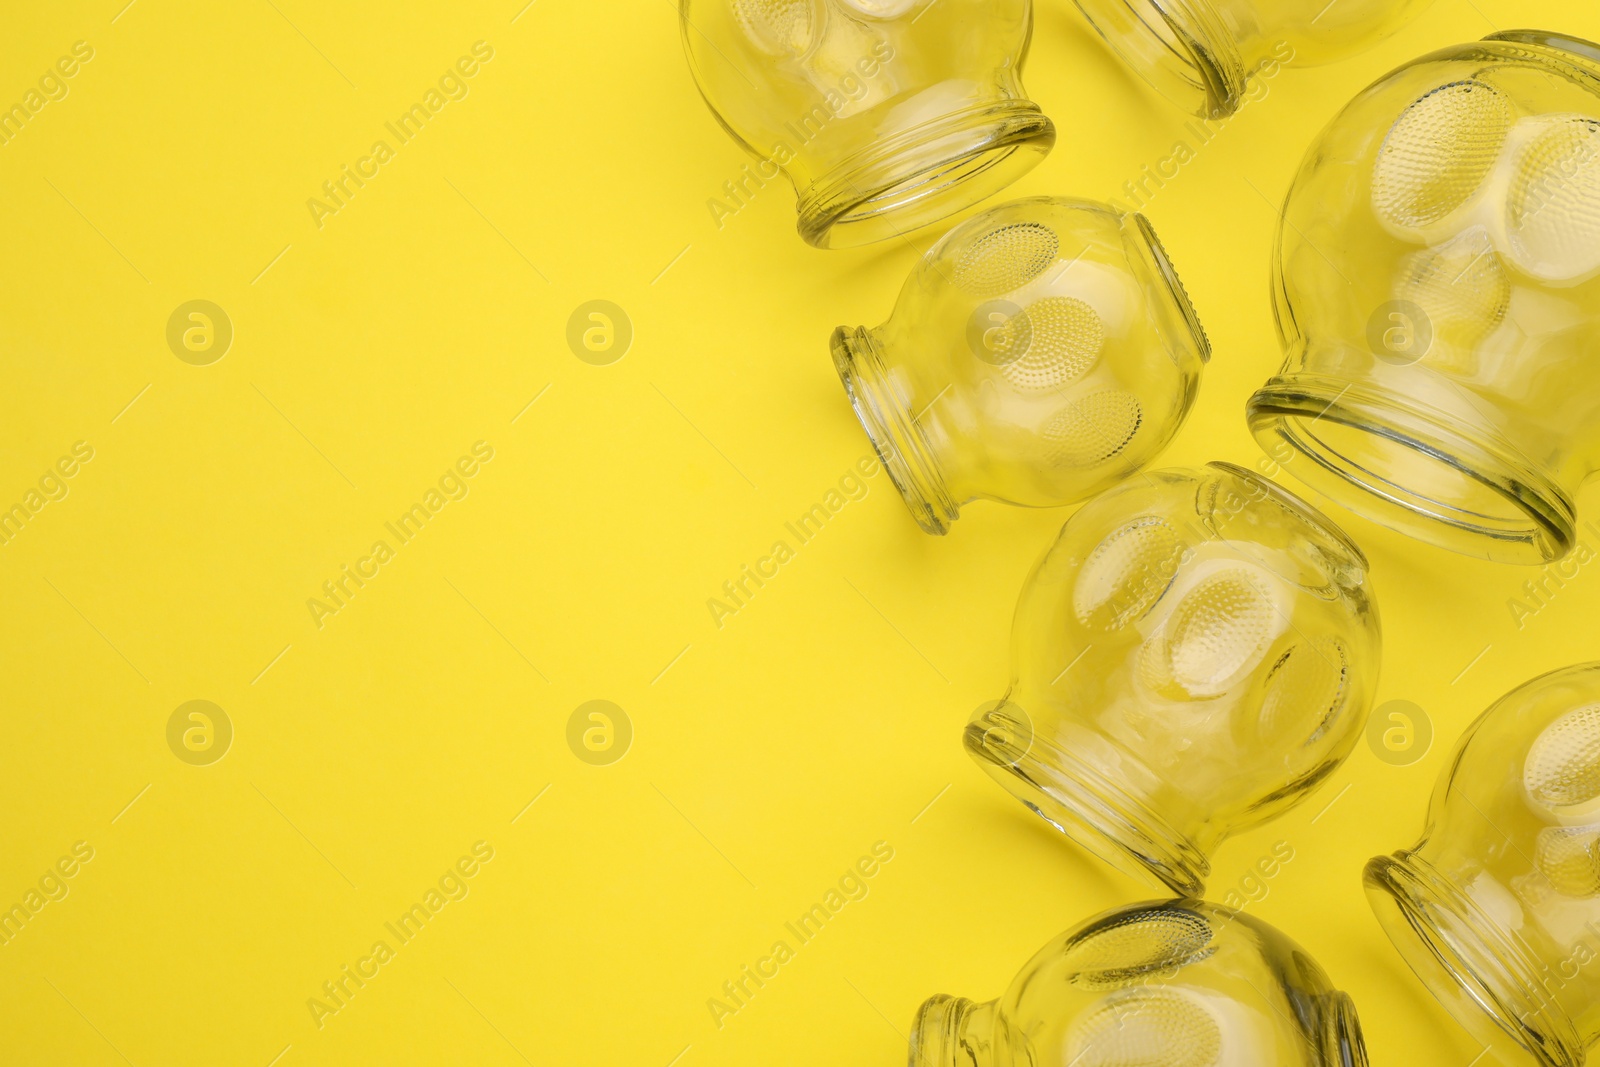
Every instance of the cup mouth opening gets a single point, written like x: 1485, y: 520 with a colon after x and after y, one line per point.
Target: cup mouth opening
x: 1481, y: 978
x: 1089, y: 808
x: 891, y: 426
x: 1179, y: 46
x: 926, y: 174
x: 1403, y: 468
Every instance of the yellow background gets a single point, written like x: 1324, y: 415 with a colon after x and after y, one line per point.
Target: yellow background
x: 373, y: 752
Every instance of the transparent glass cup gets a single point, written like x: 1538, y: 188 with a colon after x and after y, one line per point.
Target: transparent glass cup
x: 1195, y: 653
x: 886, y: 115
x: 1497, y: 908
x: 1200, y: 53
x: 1438, y: 296
x: 1038, y: 353
x: 1181, y: 983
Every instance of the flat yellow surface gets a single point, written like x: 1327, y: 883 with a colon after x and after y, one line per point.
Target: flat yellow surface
x: 376, y: 746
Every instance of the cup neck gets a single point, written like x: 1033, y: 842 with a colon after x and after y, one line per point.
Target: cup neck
x: 885, y: 411
x: 1039, y: 764
x: 953, y: 1032
x: 1484, y: 977
x: 1185, y: 49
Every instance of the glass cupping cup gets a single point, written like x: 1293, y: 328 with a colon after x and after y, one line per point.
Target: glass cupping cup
x: 1200, y: 54
x: 1038, y: 353
x: 1438, y: 298
x: 1179, y: 983
x: 1497, y: 908
x: 886, y: 115
x: 1194, y: 654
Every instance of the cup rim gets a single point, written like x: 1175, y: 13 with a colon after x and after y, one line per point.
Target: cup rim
x: 1482, y: 979
x: 924, y: 175
x: 1090, y: 809
x: 1319, y: 418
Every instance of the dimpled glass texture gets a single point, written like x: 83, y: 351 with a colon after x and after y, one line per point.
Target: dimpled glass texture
x: 1497, y: 908
x: 1168, y: 984
x: 886, y: 115
x: 1438, y: 285
x: 1195, y: 653
x: 1201, y: 53
x: 1039, y: 352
